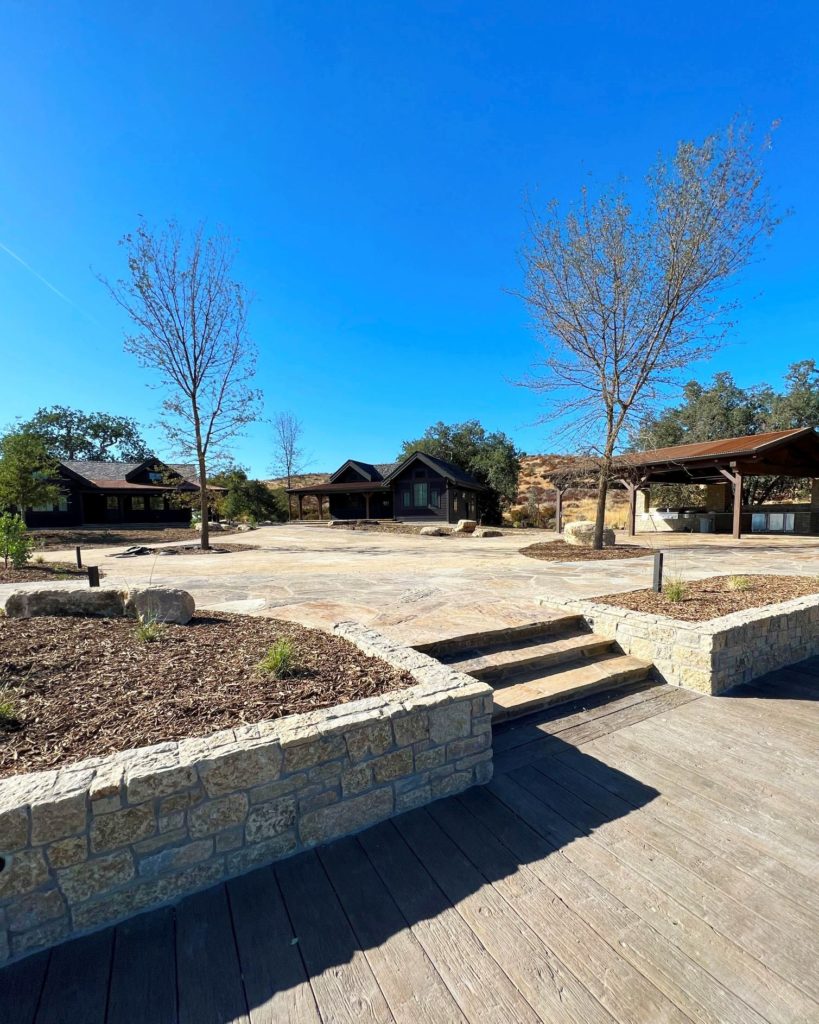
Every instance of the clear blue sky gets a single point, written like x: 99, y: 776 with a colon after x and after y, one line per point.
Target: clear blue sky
x: 371, y: 158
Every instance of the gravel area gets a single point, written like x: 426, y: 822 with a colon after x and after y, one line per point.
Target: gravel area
x: 36, y: 571
x: 719, y: 595
x: 72, y: 688
x: 560, y: 551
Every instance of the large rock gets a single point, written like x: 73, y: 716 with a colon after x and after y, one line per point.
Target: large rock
x: 581, y: 534
x: 159, y: 604
x: 162, y: 604
x: 486, y: 531
x: 103, y: 602
x: 466, y: 526
x: 212, y: 527
x: 436, y: 531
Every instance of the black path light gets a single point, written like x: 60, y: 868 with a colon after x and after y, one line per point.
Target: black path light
x: 657, y: 585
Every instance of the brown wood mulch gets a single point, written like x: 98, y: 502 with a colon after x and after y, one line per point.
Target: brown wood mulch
x: 72, y: 688
x: 36, y: 571
x: 197, y: 549
x: 59, y: 539
x: 716, y: 596
x: 560, y: 551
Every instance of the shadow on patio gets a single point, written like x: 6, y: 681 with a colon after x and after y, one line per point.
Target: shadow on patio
x: 397, y: 922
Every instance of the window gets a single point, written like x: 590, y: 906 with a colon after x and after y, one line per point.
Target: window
x: 62, y: 503
x: 157, y: 502
x: 420, y: 491
x: 137, y: 504
x: 112, y: 503
x: 406, y: 499
x: 435, y: 497
x: 45, y: 507
x: 455, y: 503
x: 154, y: 477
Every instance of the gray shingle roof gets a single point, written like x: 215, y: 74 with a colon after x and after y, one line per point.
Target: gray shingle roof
x: 110, y: 472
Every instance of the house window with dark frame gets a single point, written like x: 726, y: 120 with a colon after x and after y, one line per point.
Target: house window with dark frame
x: 435, y: 497
x: 155, y: 477
x: 137, y: 504
x: 157, y: 503
x: 420, y: 494
x: 406, y: 498
x: 112, y: 503
x: 62, y: 503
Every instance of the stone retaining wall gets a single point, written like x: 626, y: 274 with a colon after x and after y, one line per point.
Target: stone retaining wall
x: 100, y: 840
x: 714, y: 655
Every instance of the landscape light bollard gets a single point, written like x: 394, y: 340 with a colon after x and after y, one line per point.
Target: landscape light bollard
x: 93, y: 576
x: 657, y: 585
x: 79, y: 557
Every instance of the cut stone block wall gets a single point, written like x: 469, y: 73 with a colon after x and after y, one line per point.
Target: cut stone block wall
x: 714, y: 655
x: 100, y: 840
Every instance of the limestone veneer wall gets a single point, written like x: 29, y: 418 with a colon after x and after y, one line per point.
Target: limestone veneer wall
x: 97, y: 841
x: 714, y: 655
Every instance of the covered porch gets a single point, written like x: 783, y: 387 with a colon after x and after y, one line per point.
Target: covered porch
x: 353, y: 500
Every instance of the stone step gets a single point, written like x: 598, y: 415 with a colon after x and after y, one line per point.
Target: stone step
x: 496, y: 664
x: 452, y: 647
x: 569, y: 682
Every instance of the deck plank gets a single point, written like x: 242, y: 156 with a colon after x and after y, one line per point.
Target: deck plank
x: 481, y: 988
x: 412, y: 987
x: 20, y: 987
x: 208, y: 974
x: 76, y: 983
x: 750, y: 979
x: 276, y: 984
x: 143, y: 972
x: 343, y: 983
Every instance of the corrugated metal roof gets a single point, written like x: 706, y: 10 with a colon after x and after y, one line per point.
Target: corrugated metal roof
x: 723, y: 448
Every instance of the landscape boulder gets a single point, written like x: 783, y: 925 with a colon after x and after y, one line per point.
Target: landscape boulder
x: 487, y: 531
x: 581, y: 534
x: 436, y: 531
x: 162, y: 604
x: 213, y: 527
x: 102, y: 602
x: 159, y: 604
x: 466, y: 526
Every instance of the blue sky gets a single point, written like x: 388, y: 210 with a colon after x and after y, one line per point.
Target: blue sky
x: 372, y: 160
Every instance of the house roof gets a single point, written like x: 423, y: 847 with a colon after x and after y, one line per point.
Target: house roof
x: 446, y: 469
x: 381, y: 473
x: 117, y: 475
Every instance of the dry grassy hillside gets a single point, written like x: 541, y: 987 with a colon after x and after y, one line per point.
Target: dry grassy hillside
x: 298, y: 480
x: 535, y: 489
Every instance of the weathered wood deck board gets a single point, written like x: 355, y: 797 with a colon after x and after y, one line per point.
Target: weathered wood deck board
x: 645, y: 857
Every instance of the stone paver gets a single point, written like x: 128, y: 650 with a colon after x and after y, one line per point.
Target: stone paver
x: 418, y: 589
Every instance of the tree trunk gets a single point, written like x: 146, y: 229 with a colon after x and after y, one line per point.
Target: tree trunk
x: 600, y: 514
x: 203, y: 505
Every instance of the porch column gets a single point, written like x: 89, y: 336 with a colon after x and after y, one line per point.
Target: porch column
x: 320, y: 500
x: 301, y: 506
x: 559, y: 510
x: 737, y: 505
x: 367, y: 497
x: 631, y: 518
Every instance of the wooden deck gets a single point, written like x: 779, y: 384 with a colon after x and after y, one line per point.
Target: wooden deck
x: 651, y: 857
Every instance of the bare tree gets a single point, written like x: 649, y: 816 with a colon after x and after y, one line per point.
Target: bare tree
x: 190, y: 319
x: 623, y: 298
x: 288, y: 455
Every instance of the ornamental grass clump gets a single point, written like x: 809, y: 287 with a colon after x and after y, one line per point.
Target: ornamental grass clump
x: 280, y: 660
x: 8, y: 709
x: 674, y: 590
x: 149, y: 629
x: 739, y: 583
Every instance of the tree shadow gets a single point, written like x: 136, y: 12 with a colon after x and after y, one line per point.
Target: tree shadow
x: 799, y: 682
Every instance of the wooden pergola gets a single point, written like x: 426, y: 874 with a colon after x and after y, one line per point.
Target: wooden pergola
x: 789, y: 453
x: 322, y: 491
x: 729, y: 461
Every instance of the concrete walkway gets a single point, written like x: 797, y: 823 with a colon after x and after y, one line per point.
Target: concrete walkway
x: 418, y: 589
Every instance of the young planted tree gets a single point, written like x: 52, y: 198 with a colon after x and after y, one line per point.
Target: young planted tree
x: 27, y: 473
x: 190, y: 320
x: 624, y: 298
x: 288, y: 455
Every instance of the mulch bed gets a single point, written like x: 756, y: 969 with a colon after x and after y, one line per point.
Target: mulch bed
x: 82, y: 687
x: 711, y: 598
x: 53, y: 540
x: 196, y: 549
x: 560, y: 551
x: 36, y: 571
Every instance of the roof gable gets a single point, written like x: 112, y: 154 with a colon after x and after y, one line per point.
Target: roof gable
x: 446, y: 469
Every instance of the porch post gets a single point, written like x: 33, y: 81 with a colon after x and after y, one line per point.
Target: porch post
x: 320, y: 500
x: 301, y: 506
x: 737, y: 505
x: 559, y: 510
x: 367, y: 497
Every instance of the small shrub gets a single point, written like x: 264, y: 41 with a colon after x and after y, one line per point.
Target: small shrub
x: 15, y: 544
x: 8, y: 708
x: 739, y: 583
x: 149, y: 630
x: 280, y: 660
x: 674, y: 590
